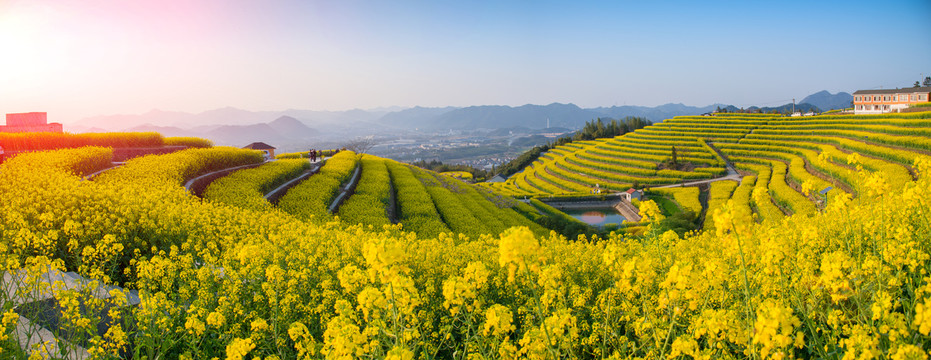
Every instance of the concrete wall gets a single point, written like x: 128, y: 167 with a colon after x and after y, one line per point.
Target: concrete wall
x: 53, y: 127
x: 27, y: 119
x: 878, y: 109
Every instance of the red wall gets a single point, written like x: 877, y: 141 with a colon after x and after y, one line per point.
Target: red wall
x: 53, y: 127
x: 27, y: 119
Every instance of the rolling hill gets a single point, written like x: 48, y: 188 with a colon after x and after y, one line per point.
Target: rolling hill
x: 818, y: 249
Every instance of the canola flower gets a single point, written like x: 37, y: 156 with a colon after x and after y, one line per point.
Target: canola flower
x: 51, y: 141
x: 217, y: 281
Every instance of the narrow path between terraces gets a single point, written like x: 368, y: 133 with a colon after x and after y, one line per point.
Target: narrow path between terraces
x: 199, y: 184
x: 346, y: 190
x: 276, y: 194
x: 38, y: 329
x: 113, y: 165
x: 732, y: 173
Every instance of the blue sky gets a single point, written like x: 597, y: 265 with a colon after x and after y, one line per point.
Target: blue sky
x: 77, y: 59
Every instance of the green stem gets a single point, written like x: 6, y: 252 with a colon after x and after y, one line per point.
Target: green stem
x: 747, y: 304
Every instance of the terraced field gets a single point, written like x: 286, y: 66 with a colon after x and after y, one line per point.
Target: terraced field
x: 788, y: 164
x: 633, y: 158
x: 387, y: 193
x: 133, y: 264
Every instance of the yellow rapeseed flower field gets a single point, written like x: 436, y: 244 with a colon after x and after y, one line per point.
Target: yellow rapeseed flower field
x: 847, y: 280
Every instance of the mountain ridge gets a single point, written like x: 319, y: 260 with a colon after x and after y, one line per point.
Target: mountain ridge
x: 296, y: 124
x: 824, y: 100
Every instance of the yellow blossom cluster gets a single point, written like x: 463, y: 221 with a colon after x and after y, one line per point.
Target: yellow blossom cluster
x: 218, y: 281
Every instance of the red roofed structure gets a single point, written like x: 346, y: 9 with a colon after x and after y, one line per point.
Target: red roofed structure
x: 29, y: 122
x: 631, y: 194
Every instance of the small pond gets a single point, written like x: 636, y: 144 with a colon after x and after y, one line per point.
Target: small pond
x: 596, y: 216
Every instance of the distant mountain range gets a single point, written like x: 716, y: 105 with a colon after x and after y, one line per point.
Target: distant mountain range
x: 231, y: 126
x: 827, y: 101
x: 655, y: 114
x: 229, y: 116
x: 817, y: 102
x: 283, y: 130
x: 531, y: 116
x: 787, y: 108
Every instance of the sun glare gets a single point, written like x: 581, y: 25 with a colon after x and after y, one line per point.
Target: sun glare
x: 28, y: 53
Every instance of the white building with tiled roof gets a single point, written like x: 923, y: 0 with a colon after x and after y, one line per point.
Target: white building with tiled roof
x: 888, y: 100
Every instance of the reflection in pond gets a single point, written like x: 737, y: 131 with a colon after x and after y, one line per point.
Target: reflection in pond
x: 596, y: 216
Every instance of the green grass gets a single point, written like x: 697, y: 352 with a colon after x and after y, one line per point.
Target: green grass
x: 668, y: 206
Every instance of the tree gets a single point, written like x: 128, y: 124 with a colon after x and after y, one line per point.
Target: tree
x: 597, y: 128
x: 927, y: 81
x: 675, y: 159
x: 917, y: 84
x: 360, y: 145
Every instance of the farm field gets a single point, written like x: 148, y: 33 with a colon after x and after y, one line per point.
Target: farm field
x: 51, y: 141
x: 792, y: 160
x: 820, y: 249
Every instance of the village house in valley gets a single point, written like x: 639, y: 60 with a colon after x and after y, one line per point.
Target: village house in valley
x: 889, y: 100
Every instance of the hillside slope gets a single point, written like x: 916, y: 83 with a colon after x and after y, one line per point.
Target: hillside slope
x: 801, y: 157
x: 220, y: 280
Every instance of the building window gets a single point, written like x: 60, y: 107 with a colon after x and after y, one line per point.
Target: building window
x: 922, y: 97
x: 913, y: 97
x: 886, y: 98
x: 856, y: 98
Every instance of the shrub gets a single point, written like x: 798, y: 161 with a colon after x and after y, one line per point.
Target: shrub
x: 192, y: 142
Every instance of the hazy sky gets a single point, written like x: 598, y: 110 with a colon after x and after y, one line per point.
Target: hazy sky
x: 75, y: 59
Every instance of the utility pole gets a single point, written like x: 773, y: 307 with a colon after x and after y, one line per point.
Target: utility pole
x: 793, y: 105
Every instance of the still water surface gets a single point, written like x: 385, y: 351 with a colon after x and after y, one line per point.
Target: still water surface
x: 596, y: 216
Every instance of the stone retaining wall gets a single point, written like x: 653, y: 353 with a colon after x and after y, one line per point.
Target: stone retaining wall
x: 198, y: 185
